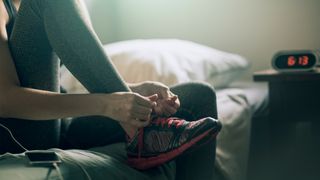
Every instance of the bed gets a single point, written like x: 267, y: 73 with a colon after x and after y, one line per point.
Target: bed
x: 238, y: 106
x: 173, y: 61
x: 170, y: 61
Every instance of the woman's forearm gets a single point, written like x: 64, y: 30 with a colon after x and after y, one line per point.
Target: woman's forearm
x: 26, y: 103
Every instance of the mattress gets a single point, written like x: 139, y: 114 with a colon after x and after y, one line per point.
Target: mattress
x: 257, y: 95
x: 236, y: 105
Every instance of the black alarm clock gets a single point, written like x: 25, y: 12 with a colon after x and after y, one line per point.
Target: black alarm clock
x: 295, y: 60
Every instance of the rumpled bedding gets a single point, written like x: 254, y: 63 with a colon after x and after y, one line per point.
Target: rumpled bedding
x: 106, y: 162
x: 234, y: 139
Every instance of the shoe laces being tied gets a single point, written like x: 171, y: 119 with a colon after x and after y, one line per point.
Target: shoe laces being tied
x: 161, y: 122
x: 168, y: 121
x: 166, y: 137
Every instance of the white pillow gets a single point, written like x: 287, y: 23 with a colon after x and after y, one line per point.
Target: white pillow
x: 169, y: 61
x: 173, y: 61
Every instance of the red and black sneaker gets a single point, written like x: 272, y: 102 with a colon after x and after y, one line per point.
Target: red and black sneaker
x: 166, y: 138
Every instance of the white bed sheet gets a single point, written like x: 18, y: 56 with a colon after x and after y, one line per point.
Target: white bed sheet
x: 234, y: 139
x: 236, y: 107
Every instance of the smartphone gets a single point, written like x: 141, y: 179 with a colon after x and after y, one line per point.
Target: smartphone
x: 39, y: 157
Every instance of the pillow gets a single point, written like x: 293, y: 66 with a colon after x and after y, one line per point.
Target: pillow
x: 169, y: 61
x: 173, y: 61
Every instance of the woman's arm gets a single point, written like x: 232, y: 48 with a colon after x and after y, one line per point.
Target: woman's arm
x: 130, y: 109
x: 17, y: 102
x: 27, y: 103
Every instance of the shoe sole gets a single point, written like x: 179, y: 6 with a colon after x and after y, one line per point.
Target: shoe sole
x: 146, y: 163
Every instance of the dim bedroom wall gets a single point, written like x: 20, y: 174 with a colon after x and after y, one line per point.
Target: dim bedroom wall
x: 255, y: 29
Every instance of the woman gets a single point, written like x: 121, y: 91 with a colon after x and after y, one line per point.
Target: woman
x: 30, y: 102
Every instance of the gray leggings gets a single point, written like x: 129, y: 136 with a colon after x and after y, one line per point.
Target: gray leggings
x: 198, y: 100
x: 45, y: 29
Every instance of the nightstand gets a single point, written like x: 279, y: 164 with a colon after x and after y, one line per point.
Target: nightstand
x: 294, y: 99
x: 293, y: 96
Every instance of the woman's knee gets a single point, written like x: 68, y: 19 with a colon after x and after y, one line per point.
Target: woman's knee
x: 204, y: 89
x: 203, y: 95
x: 197, y: 90
x: 198, y: 97
x: 91, y: 131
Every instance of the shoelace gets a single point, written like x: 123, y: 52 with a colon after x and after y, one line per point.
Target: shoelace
x: 169, y: 121
x: 163, y: 121
x: 140, y: 142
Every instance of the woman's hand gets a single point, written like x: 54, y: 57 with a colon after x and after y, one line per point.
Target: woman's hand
x: 167, y: 102
x: 130, y: 108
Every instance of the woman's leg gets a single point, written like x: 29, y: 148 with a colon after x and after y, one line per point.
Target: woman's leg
x: 61, y: 26
x: 43, y: 27
x: 198, y: 100
x: 91, y: 131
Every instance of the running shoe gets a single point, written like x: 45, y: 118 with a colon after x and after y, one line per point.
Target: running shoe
x: 166, y: 138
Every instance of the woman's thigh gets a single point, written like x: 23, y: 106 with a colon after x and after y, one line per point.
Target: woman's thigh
x: 92, y: 131
x: 197, y: 99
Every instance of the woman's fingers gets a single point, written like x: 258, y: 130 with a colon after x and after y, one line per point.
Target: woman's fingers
x: 142, y: 109
x: 168, y: 103
x: 146, y: 101
x: 139, y: 123
x: 130, y: 108
x: 170, y: 109
x: 174, y: 102
x: 165, y: 93
x: 136, y: 110
x: 167, y: 109
x: 153, y: 98
x: 142, y: 113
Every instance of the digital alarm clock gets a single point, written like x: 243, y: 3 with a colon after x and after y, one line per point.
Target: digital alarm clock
x: 302, y: 60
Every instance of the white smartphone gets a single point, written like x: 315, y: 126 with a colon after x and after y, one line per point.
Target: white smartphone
x: 40, y: 157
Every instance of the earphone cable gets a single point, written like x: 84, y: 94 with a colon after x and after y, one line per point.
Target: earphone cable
x: 58, y: 171
x: 13, y: 138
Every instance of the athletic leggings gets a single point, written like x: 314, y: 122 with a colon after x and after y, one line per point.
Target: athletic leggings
x: 47, y: 29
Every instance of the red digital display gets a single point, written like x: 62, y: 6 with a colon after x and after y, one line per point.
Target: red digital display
x: 303, y: 60
x: 300, y: 60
